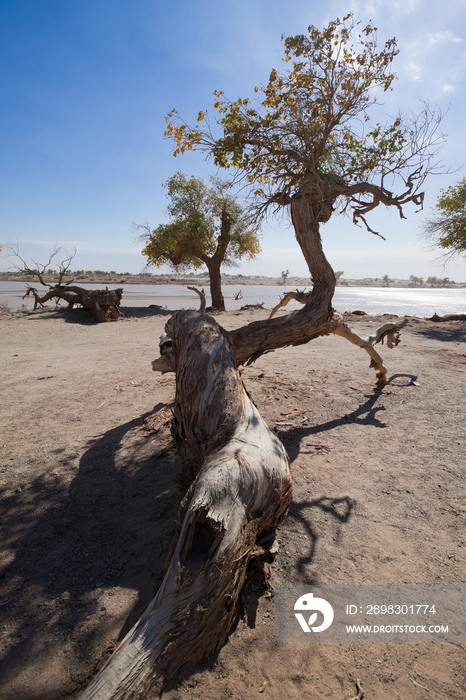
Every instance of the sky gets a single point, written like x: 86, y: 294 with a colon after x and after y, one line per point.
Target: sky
x: 85, y: 86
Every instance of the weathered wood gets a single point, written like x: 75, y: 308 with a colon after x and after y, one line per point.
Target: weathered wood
x: 102, y: 304
x: 389, y: 332
x: 201, y: 295
x: 240, y: 493
x: 448, y: 317
x: 295, y: 329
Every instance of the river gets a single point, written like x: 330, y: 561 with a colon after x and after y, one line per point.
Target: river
x: 420, y: 302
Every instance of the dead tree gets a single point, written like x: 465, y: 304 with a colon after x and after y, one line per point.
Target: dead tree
x: 240, y: 493
x: 102, y: 304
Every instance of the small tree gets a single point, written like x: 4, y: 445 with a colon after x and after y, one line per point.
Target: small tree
x: 446, y: 228
x: 386, y: 280
x: 207, y: 226
x: 285, y: 274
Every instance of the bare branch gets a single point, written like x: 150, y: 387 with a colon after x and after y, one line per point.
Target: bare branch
x: 38, y: 270
x: 301, y: 296
x: 201, y: 294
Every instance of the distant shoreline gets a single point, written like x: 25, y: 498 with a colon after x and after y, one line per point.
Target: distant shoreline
x: 101, y: 277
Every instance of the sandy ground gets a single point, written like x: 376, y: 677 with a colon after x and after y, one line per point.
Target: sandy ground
x: 89, y: 499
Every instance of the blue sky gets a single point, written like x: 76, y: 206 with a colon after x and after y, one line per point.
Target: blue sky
x: 86, y: 85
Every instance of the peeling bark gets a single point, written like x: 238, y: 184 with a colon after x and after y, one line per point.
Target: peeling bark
x: 240, y: 494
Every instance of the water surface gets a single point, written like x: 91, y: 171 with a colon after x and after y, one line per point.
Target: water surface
x: 421, y: 302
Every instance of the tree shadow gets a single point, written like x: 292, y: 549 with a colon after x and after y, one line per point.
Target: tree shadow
x: 147, y: 311
x: 111, y: 528
x: 443, y: 335
x: 80, y: 316
x: 364, y: 414
x: 339, y: 508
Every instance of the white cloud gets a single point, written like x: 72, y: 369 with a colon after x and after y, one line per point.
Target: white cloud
x: 437, y: 37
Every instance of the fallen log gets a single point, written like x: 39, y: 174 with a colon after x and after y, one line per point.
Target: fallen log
x: 448, y: 317
x: 240, y: 493
x: 248, y: 307
x: 102, y: 304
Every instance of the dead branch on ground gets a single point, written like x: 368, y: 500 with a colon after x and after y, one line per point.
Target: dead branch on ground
x: 448, y: 317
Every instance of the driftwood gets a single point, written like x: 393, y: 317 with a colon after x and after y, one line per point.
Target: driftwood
x: 102, y: 304
x: 240, y: 494
x: 248, y: 307
x: 448, y: 317
x: 389, y: 332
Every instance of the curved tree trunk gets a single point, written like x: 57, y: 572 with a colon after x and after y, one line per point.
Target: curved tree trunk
x: 241, y: 486
x: 317, y: 316
x: 240, y: 493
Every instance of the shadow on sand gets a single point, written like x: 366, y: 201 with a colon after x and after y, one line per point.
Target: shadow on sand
x: 111, y: 528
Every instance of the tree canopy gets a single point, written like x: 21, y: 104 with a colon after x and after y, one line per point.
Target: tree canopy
x: 446, y: 228
x: 313, y: 141
x: 207, y: 226
x: 313, y: 132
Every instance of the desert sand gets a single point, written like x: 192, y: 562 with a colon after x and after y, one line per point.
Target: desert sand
x: 89, y: 496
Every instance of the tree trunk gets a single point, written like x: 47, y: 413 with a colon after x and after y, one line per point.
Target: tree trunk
x: 240, y: 494
x: 241, y: 485
x: 317, y: 316
x: 218, y: 301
